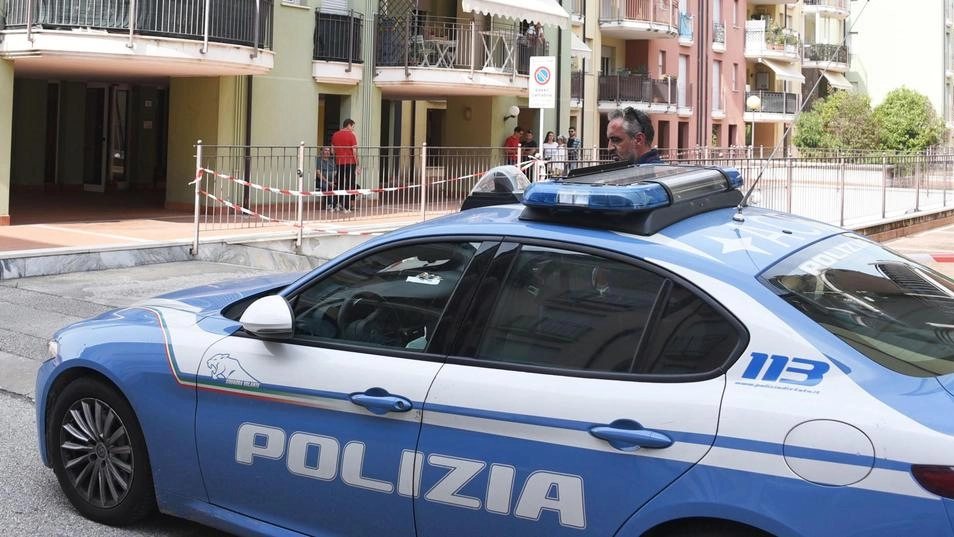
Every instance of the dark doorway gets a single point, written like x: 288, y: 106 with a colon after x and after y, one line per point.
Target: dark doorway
x: 94, y: 145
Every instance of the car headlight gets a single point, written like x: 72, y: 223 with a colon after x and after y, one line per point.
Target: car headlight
x: 53, y: 347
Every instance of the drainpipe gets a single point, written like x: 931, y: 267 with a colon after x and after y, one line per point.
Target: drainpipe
x: 246, y: 190
x: 258, y: 18
x: 29, y: 21
x: 205, y: 29
x: 132, y: 22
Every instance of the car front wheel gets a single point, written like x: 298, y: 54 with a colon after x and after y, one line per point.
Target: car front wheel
x: 99, y: 454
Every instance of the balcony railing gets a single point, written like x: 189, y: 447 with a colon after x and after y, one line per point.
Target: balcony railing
x: 577, y: 9
x: 685, y: 27
x: 819, y: 52
x: 454, y: 44
x: 761, y: 39
x: 637, y: 88
x: 718, y: 33
x: 652, y: 11
x: 841, y: 5
x: 774, y: 102
x: 221, y: 21
x: 338, y: 37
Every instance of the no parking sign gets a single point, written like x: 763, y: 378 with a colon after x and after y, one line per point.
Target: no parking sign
x: 542, y: 84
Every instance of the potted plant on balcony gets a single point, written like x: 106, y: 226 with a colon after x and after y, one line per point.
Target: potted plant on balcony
x: 774, y: 37
x: 791, y: 41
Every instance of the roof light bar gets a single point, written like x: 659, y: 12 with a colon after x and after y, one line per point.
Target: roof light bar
x: 629, y: 189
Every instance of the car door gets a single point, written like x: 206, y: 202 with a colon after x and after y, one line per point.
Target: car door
x: 587, y: 385
x: 317, y: 433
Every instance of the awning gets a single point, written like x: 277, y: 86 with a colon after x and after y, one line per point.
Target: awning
x: 542, y: 11
x: 785, y: 71
x: 579, y: 49
x: 837, y: 80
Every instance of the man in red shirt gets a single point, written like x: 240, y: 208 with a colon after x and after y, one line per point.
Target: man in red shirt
x: 346, y: 158
x: 511, y: 144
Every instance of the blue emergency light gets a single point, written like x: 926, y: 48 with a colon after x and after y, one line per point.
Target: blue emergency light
x: 626, y: 197
x: 629, y: 188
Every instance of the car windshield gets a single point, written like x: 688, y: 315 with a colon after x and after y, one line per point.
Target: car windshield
x: 894, y: 311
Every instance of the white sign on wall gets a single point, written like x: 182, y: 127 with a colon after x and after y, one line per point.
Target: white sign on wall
x: 542, y: 84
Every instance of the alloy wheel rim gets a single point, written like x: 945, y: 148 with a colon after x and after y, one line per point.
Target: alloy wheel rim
x: 96, y: 453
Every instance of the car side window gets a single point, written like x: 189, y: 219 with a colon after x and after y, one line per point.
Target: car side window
x: 570, y: 310
x: 688, y: 336
x: 390, y: 298
x: 579, y: 311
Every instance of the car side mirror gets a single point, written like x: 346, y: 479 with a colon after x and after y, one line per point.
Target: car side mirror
x: 268, y: 317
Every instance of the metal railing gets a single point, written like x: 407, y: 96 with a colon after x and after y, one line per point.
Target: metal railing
x: 718, y: 33
x: 576, y: 85
x: 240, y: 22
x: 841, y: 5
x: 776, y: 102
x: 647, y: 11
x: 637, y: 88
x: 760, y: 39
x: 451, y: 43
x: 820, y: 52
x: 578, y: 9
x: 250, y: 187
x: 338, y: 37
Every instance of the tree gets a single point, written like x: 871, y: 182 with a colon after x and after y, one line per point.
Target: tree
x: 908, y: 122
x: 843, y: 120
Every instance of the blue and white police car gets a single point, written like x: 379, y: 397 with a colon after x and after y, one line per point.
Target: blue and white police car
x: 625, y: 353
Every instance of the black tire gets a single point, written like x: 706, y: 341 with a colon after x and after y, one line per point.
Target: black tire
x: 98, y: 453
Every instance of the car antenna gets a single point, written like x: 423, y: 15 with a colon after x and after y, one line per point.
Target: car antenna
x: 738, y: 217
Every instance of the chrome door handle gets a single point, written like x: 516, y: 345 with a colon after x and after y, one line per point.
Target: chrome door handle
x: 629, y: 435
x: 379, y: 401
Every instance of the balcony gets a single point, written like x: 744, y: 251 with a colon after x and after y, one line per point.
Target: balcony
x: 639, y: 19
x: 337, y: 46
x: 718, y: 36
x: 641, y: 91
x: 776, y: 107
x: 452, y: 56
x: 130, y: 38
x: 828, y: 57
x: 685, y: 29
x: 577, y: 12
x: 764, y: 41
x: 836, y: 9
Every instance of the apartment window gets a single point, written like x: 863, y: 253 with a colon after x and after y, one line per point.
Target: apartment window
x: 717, y: 85
x: 717, y: 11
x: 735, y: 13
x: 735, y: 77
x: 606, y: 60
x: 662, y: 63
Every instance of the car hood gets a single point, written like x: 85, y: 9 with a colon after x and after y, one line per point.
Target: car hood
x: 207, y: 299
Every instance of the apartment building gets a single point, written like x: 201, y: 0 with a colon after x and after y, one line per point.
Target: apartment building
x: 100, y: 96
x: 681, y: 61
x: 911, y: 46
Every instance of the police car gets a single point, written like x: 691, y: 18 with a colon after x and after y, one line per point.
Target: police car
x: 625, y: 353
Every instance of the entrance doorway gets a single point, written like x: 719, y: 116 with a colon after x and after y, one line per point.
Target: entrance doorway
x: 107, y: 138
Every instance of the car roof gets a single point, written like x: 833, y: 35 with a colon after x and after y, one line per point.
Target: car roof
x: 711, y: 241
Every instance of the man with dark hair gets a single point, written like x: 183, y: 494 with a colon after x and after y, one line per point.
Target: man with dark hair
x: 630, y: 134
x: 511, y: 144
x: 346, y: 157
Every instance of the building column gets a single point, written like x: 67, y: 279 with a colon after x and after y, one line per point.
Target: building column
x: 6, y: 138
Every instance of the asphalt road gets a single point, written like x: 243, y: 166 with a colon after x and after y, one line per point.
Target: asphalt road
x: 31, y: 309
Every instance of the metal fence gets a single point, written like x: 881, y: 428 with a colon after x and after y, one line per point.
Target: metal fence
x: 250, y: 187
x: 338, y: 37
x: 225, y: 21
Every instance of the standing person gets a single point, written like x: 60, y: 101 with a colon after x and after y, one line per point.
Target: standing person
x: 325, y: 172
x: 549, y: 145
x: 558, y: 166
x: 630, y: 134
x: 573, y: 145
x: 346, y: 157
x: 530, y: 146
x: 512, y: 143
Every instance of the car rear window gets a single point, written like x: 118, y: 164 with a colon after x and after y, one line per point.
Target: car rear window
x: 891, y: 309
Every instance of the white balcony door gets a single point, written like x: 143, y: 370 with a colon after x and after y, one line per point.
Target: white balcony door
x: 682, y: 81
